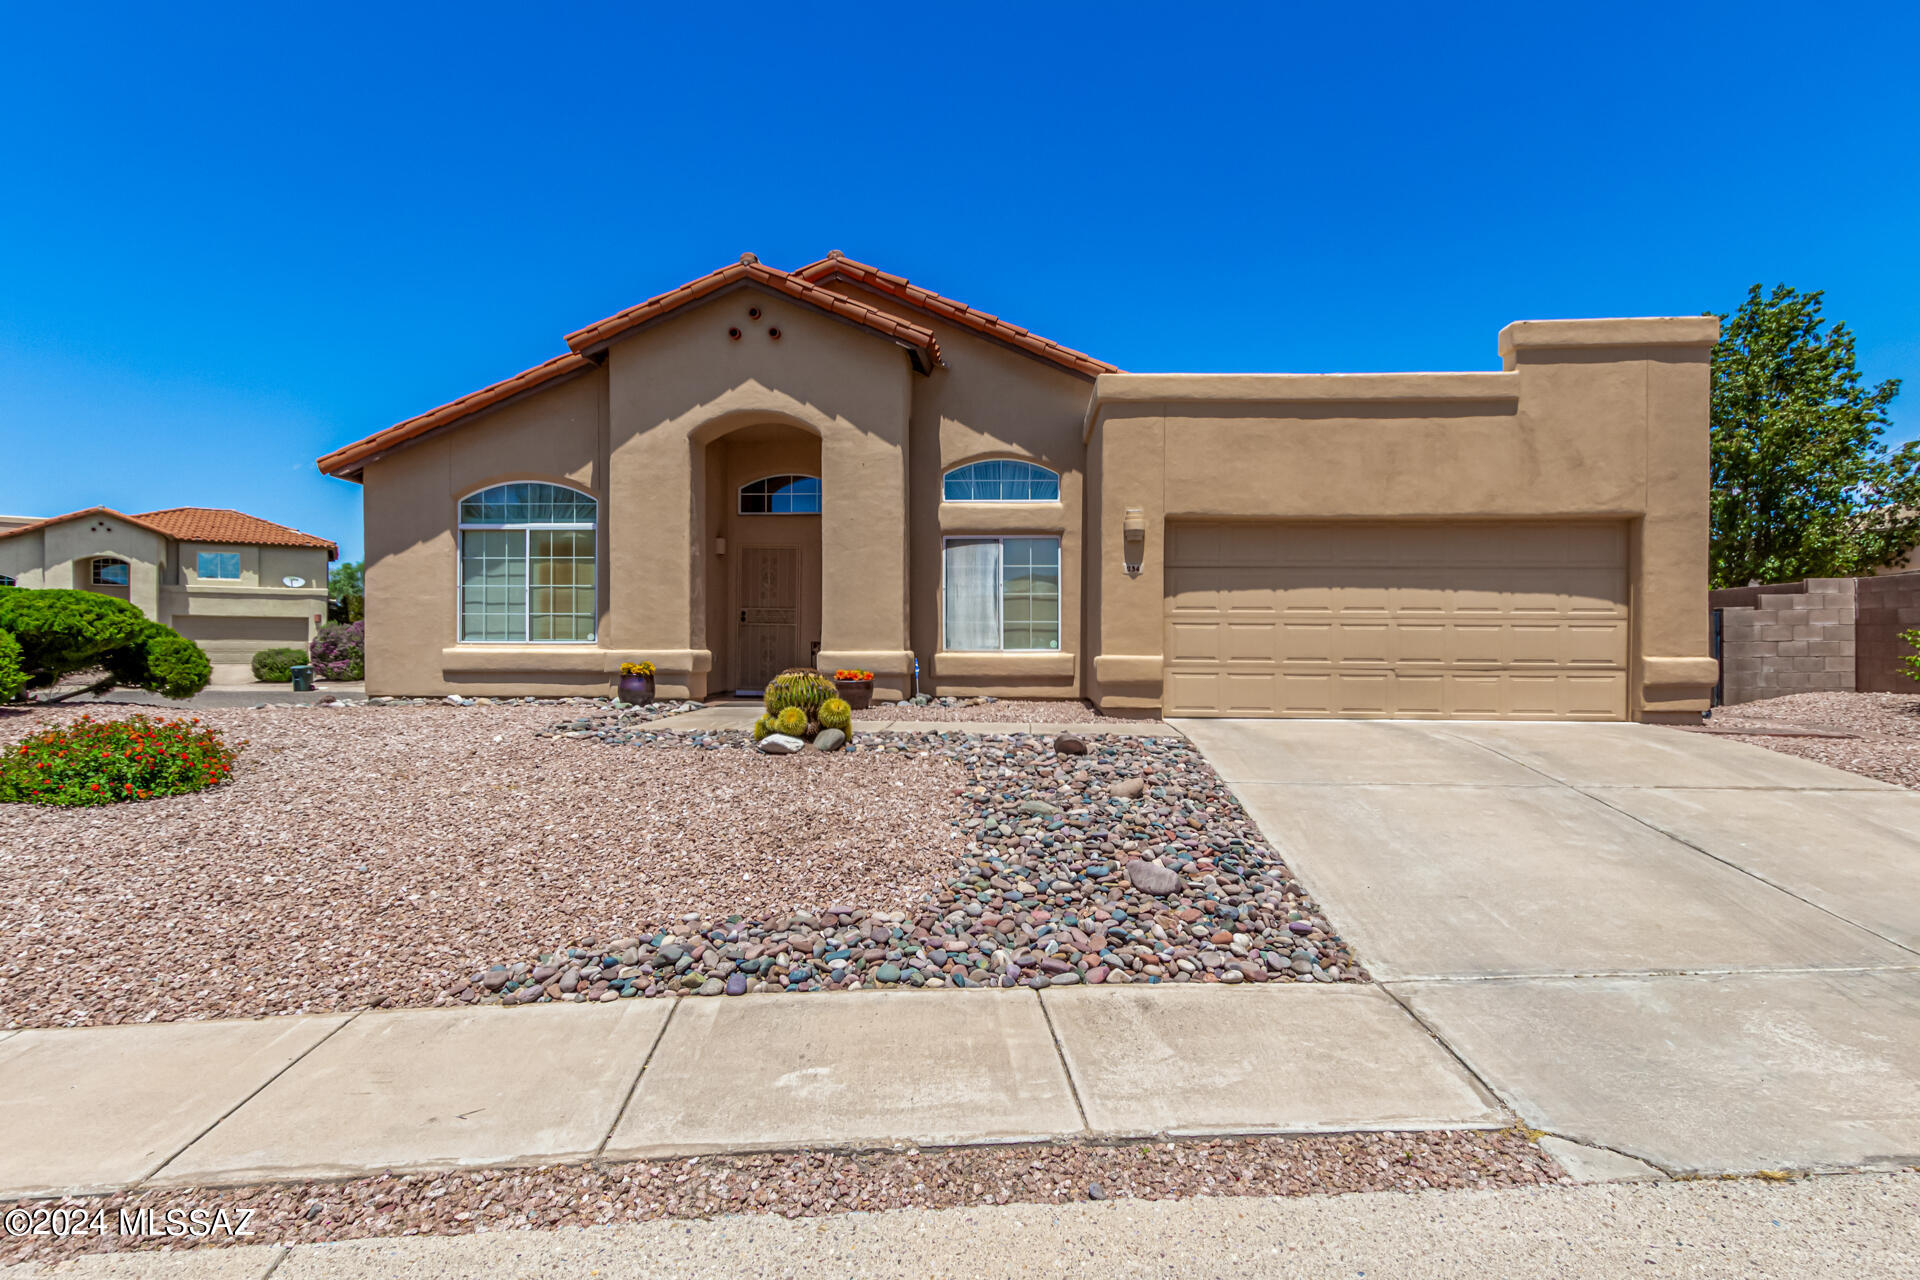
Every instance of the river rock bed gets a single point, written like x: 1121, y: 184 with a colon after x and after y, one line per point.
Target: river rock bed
x: 1088, y: 860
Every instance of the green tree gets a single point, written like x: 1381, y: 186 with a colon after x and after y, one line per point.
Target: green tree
x: 347, y: 591
x: 57, y: 633
x: 1802, y: 485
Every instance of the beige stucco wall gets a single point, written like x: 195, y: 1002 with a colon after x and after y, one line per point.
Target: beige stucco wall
x: 1601, y: 419
x: 412, y: 568
x: 991, y: 401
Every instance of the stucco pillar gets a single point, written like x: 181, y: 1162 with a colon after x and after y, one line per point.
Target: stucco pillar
x: 653, y: 557
x: 1670, y: 617
x: 143, y: 587
x: 864, y: 533
x: 1126, y: 458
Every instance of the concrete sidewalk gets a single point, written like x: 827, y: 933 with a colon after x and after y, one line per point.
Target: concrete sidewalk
x: 1858, y: 1227
x: 227, y: 1103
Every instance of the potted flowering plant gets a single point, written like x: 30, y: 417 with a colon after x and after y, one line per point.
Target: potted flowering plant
x: 636, y: 683
x: 856, y: 687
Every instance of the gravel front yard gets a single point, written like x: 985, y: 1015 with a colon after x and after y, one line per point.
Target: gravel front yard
x: 363, y: 855
x: 1887, y: 725
x: 389, y: 855
x: 813, y: 1184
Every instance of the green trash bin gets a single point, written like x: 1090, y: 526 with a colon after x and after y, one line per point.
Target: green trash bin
x: 302, y: 678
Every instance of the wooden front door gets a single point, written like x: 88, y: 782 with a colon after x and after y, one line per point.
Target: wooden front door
x: 768, y: 623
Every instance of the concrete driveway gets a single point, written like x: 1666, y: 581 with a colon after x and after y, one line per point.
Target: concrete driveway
x: 1697, y: 952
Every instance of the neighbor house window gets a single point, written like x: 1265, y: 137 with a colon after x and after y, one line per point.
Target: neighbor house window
x: 527, y: 564
x: 1002, y: 593
x: 1001, y: 480
x: 6, y: 580
x: 781, y: 496
x: 109, y: 573
x: 219, y: 564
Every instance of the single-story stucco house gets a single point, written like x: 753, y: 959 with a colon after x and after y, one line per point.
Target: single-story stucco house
x: 833, y: 467
x: 233, y: 583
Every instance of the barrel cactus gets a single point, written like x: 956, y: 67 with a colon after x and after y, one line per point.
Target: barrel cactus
x: 762, y: 727
x: 798, y: 687
x: 792, y: 722
x: 835, y: 713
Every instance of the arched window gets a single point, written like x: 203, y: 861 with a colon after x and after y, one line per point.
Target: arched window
x: 528, y: 570
x: 109, y: 572
x: 781, y: 496
x: 1002, y: 480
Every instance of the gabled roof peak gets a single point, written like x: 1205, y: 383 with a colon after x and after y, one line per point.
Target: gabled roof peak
x: 838, y: 266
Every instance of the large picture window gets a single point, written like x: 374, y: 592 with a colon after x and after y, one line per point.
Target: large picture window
x: 109, y: 573
x: 528, y: 565
x: 1001, y: 480
x: 1002, y: 593
x: 781, y: 496
x: 218, y: 564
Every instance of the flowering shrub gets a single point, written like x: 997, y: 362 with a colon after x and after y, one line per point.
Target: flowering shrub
x: 853, y: 675
x: 340, y: 652
x: 103, y: 761
x: 636, y: 668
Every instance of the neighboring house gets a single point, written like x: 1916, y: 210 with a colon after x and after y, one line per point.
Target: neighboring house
x: 833, y: 467
x: 233, y: 583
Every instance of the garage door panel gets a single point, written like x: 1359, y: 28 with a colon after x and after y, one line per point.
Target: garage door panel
x: 1195, y: 642
x: 1466, y: 619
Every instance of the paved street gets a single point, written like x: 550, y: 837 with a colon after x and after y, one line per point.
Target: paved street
x: 1694, y: 951
x: 1858, y: 1227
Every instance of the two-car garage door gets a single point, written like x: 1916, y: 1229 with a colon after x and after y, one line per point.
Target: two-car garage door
x: 1471, y: 620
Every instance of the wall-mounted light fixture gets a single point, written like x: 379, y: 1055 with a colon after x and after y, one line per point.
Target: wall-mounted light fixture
x: 1133, y: 540
x: 719, y: 546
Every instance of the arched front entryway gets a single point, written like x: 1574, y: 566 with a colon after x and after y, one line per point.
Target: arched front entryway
x: 761, y: 517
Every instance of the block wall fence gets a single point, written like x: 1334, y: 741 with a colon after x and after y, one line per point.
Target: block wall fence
x: 1817, y: 635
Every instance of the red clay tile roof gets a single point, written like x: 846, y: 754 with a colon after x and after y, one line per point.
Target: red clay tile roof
x: 222, y: 524
x: 197, y: 524
x: 345, y: 461
x: 919, y: 340
x: 837, y: 266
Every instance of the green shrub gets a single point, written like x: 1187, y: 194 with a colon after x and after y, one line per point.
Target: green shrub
x: 762, y: 727
x: 792, y: 722
x: 275, y: 666
x: 836, y: 713
x: 60, y: 632
x: 798, y: 687
x: 90, y: 762
x: 1911, y: 661
x: 13, y: 676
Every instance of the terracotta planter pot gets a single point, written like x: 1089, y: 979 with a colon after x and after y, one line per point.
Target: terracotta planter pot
x: 636, y: 690
x: 857, y: 694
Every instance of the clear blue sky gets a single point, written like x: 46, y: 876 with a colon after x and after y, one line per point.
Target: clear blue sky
x: 231, y: 240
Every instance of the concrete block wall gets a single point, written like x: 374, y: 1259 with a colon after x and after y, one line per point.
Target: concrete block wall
x: 1797, y: 637
x: 1887, y: 605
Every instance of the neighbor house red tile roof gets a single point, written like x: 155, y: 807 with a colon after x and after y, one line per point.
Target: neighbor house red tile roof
x: 221, y: 524
x: 916, y: 339
x: 838, y: 266
x: 81, y: 515
x: 196, y: 524
x: 345, y: 461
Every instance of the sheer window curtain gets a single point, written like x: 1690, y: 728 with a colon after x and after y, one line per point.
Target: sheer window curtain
x: 973, y: 595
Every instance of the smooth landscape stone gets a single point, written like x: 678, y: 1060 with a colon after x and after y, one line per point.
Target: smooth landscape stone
x: 829, y: 740
x: 780, y: 744
x: 1151, y: 877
